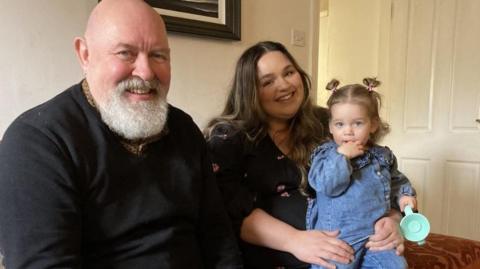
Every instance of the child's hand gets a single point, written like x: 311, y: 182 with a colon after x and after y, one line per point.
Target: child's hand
x: 351, y: 149
x: 407, y: 200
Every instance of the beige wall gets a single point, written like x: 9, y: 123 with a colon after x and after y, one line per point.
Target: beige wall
x: 36, y: 55
x: 37, y: 58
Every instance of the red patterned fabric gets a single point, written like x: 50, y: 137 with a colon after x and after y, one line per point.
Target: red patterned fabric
x: 440, y: 252
x: 443, y: 252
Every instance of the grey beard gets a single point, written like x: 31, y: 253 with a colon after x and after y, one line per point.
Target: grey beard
x: 134, y: 121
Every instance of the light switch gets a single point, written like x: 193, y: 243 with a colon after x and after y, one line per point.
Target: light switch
x: 298, y: 38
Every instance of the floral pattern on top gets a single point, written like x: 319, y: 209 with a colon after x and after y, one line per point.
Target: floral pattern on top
x: 257, y: 175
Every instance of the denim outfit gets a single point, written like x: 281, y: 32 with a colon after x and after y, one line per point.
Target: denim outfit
x: 351, y: 195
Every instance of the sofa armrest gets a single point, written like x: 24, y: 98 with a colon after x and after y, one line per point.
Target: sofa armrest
x: 443, y: 251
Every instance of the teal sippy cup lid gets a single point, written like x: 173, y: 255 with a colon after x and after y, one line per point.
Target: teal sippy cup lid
x: 415, y: 227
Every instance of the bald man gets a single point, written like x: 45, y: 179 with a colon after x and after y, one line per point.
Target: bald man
x: 107, y: 174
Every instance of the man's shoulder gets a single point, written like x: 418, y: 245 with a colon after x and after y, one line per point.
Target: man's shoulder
x: 57, y: 115
x: 176, y: 113
x: 180, y: 122
x: 61, y: 105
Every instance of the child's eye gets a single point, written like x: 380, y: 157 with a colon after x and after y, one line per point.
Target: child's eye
x: 358, y: 123
x: 338, y: 124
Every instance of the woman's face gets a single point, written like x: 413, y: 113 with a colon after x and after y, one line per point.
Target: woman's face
x: 280, y: 88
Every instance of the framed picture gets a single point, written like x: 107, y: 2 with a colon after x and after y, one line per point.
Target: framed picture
x: 213, y: 18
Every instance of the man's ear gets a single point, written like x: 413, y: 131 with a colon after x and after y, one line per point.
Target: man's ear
x: 81, y: 50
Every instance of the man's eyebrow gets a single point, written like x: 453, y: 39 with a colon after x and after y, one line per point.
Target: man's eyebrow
x: 123, y: 45
x: 164, y: 50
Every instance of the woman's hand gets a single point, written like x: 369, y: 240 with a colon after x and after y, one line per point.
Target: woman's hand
x: 317, y: 247
x: 387, y: 234
x: 311, y: 246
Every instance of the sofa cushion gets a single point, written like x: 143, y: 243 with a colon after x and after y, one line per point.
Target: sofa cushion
x: 442, y: 251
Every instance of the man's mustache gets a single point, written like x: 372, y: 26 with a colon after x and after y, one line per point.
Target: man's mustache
x: 138, y: 85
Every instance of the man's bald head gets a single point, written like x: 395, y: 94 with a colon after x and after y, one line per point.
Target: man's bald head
x: 125, y: 41
x: 135, y: 12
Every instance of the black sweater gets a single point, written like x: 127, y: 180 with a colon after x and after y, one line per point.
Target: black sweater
x: 71, y: 196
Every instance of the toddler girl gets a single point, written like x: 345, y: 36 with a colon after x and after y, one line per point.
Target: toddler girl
x: 356, y: 181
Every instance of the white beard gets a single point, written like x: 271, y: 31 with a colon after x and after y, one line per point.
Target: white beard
x: 135, y: 120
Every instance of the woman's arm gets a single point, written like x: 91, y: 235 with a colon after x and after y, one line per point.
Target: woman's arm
x: 311, y: 246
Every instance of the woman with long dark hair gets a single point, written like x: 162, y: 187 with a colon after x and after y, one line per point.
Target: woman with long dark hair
x: 260, y: 147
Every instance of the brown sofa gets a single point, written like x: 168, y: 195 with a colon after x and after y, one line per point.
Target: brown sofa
x: 440, y: 252
x: 443, y: 252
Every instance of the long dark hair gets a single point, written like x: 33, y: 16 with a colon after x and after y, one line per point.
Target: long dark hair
x: 244, y: 112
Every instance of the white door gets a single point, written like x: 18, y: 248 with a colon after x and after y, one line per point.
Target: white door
x: 433, y: 103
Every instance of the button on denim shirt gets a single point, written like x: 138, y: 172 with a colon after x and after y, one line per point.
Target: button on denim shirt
x: 351, y: 195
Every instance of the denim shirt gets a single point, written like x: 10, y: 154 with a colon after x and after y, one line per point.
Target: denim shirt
x: 351, y: 195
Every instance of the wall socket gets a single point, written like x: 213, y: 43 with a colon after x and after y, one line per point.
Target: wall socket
x: 298, y: 38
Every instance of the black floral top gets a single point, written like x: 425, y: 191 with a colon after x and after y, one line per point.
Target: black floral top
x: 257, y: 176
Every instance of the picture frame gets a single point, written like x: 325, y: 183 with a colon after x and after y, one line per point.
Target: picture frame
x: 189, y: 16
